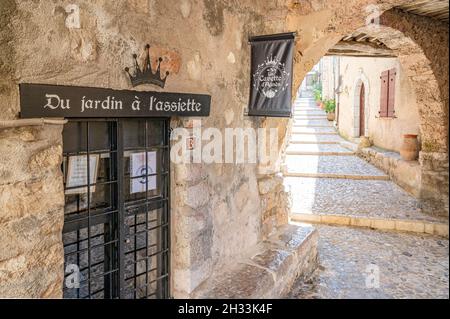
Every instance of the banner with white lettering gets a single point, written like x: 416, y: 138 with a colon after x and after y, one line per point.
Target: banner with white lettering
x: 39, y: 100
x: 271, y: 75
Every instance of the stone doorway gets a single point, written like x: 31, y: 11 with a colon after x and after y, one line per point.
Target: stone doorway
x: 116, y: 225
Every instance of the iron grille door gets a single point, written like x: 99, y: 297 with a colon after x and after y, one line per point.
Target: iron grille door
x: 116, y: 228
x: 145, y: 253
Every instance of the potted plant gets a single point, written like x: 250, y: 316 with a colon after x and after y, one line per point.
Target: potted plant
x: 330, y: 107
x: 317, y: 92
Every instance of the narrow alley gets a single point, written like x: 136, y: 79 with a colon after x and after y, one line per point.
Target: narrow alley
x: 332, y: 186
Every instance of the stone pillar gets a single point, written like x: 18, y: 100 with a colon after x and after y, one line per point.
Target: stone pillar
x: 191, y: 229
x: 31, y: 213
x: 274, y: 203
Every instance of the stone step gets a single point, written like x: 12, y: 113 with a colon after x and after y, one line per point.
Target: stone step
x: 299, y: 107
x: 270, y: 270
x: 310, y: 129
x: 392, y: 224
x: 318, y: 123
x: 313, y: 142
x: 298, y: 138
x: 351, y: 167
x: 309, y: 118
x: 309, y: 114
x: 370, y: 199
x: 317, y: 149
x: 313, y: 126
x: 297, y: 133
x: 307, y: 109
x: 338, y: 176
x: 306, y: 106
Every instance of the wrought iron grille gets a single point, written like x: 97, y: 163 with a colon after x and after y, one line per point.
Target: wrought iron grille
x: 116, y: 230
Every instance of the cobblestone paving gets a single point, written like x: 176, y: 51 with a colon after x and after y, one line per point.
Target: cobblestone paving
x: 317, y: 148
x: 409, y: 266
x: 345, y: 165
x: 364, y: 198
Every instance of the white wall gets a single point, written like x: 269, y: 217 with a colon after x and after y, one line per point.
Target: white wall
x: 328, y: 77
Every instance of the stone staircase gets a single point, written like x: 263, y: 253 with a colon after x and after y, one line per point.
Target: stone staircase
x: 330, y: 184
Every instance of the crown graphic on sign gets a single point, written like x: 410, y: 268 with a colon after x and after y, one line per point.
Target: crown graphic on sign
x: 271, y: 61
x: 146, y: 75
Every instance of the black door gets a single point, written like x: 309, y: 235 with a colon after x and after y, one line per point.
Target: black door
x: 116, y: 228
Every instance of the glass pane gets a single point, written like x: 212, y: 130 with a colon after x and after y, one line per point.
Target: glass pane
x: 74, y: 137
x: 155, y: 132
x: 133, y: 134
x: 100, y: 136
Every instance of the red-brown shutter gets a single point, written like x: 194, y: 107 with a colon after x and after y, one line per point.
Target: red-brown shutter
x: 391, y: 94
x: 384, y: 94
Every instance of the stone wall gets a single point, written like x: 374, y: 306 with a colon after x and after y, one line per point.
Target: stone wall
x: 274, y: 203
x: 31, y: 212
x: 216, y: 208
x: 406, y: 174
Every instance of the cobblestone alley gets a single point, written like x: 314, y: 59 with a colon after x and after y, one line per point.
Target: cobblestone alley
x: 331, y: 185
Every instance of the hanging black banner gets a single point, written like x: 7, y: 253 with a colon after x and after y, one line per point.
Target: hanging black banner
x: 271, y: 75
x: 39, y: 100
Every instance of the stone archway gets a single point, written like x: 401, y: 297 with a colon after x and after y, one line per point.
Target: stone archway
x: 361, y: 81
x: 421, y: 45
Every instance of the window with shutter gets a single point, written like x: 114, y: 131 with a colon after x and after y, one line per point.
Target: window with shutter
x: 391, y: 94
x: 387, y: 95
x: 384, y: 94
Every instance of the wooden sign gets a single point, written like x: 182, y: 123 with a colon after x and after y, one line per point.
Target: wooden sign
x: 37, y: 100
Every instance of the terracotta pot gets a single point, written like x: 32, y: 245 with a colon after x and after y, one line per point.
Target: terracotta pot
x: 331, y: 116
x: 317, y: 103
x: 410, y: 148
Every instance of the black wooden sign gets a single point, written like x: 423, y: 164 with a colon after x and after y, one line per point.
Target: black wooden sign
x: 271, y: 75
x: 39, y: 100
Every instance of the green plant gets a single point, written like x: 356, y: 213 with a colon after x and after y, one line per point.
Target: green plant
x: 317, y: 92
x: 318, y: 86
x: 330, y: 106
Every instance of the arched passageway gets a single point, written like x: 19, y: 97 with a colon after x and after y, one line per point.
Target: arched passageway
x: 421, y: 47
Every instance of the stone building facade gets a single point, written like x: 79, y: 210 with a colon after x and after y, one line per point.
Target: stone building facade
x: 386, y: 133
x: 219, y: 212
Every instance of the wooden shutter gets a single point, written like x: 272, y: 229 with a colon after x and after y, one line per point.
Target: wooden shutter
x: 391, y: 94
x: 384, y: 94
